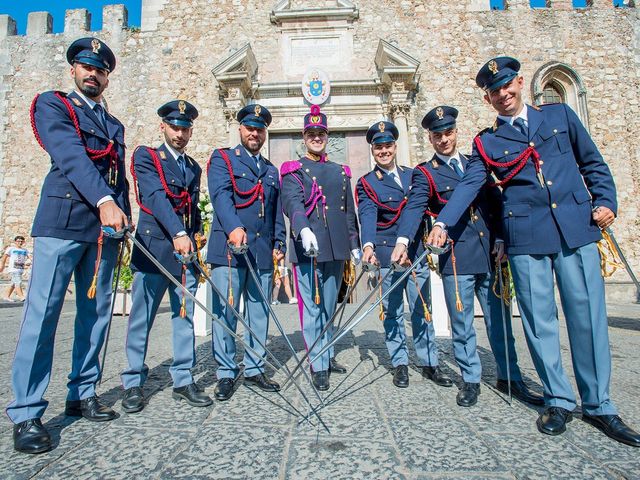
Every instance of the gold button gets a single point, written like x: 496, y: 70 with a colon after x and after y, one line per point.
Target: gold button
x: 448, y: 187
x: 313, y: 178
x: 320, y: 187
x: 344, y: 188
x: 341, y: 208
x: 258, y: 234
x: 506, y: 152
x: 343, y: 173
x: 244, y: 174
x: 173, y: 181
x: 93, y: 131
x: 549, y: 182
x: 326, y: 207
x: 510, y: 214
x: 555, y: 130
x: 147, y: 231
x: 475, y: 218
x: 554, y: 205
x: 541, y: 162
x: 342, y: 197
x: 405, y: 197
x: 531, y: 144
x: 390, y: 198
x: 384, y: 242
x: 260, y: 181
x: 68, y: 195
x: 482, y: 234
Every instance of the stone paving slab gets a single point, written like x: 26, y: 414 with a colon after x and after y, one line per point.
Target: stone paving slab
x: 372, y: 430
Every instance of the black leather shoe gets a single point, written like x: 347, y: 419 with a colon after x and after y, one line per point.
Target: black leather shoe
x: 192, y: 395
x: 436, y: 376
x: 401, y: 376
x: 520, y: 391
x: 553, y: 421
x: 133, y: 400
x: 335, y: 367
x: 30, y: 436
x: 263, y: 383
x: 91, y: 409
x: 468, y: 394
x: 321, y: 380
x: 614, y: 427
x: 224, y: 389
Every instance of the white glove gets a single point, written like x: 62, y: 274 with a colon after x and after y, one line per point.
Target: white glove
x: 356, y: 256
x: 309, y: 240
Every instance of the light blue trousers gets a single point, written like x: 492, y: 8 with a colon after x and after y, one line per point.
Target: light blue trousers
x: 256, y: 315
x: 581, y: 287
x: 54, y: 261
x: 424, y: 335
x: 147, y: 292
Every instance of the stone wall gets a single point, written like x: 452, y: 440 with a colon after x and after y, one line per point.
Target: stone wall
x: 181, y: 41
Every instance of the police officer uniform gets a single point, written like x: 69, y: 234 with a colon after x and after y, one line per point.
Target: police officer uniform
x: 87, y: 169
x: 245, y: 193
x: 317, y: 195
x: 552, y: 176
x: 167, y: 187
x: 473, y: 235
x: 382, y: 195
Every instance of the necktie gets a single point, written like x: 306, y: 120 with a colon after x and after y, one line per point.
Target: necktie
x: 99, y: 111
x: 257, y: 160
x: 519, y: 125
x: 456, y: 168
x: 181, y: 164
x: 394, y: 176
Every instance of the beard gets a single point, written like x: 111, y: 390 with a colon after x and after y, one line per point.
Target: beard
x: 91, y: 91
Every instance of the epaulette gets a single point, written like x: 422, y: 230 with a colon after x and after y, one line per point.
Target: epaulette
x: 290, y: 167
x: 346, y: 170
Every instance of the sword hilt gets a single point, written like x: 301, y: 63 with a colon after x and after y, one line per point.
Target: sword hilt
x: 185, y: 259
x: 370, y: 267
x: 312, y: 252
x: 110, y: 232
x: 238, y: 250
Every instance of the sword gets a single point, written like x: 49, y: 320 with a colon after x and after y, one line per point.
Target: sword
x: 624, y: 260
x: 113, y: 303
x: 239, y: 317
x: 325, y: 328
x: 395, y: 268
x: 214, y: 318
x: 256, y: 280
x: 504, y: 326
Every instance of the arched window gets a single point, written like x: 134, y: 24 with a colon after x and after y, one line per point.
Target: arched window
x: 557, y: 82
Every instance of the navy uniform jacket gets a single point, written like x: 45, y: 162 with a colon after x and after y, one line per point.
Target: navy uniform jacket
x: 75, y: 183
x: 472, y: 234
x: 156, y: 230
x: 576, y: 178
x: 339, y: 234
x: 264, y: 232
x: 391, y: 194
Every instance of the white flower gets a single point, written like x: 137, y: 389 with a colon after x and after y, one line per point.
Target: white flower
x: 208, y: 208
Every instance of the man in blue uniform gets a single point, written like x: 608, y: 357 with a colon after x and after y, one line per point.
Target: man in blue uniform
x: 84, y: 189
x: 317, y: 198
x: 245, y: 192
x: 474, y: 235
x: 557, y: 193
x: 167, y: 185
x: 382, y: 196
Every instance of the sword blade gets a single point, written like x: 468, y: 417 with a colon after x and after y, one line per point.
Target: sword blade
x: 350, y: 326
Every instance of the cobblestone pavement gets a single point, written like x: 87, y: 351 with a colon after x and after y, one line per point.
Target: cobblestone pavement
x: 376, y: 431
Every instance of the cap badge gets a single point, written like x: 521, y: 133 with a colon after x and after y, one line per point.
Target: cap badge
x: 182, y: 107
x: 440, y: 113
x: 315, y: 119
x: 381, y: 127
x: 95, y: 44
x: 493, y: 66
x: 257, y: 110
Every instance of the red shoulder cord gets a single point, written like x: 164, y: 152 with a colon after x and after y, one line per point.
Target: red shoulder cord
x: 520, y: 161
x: 368, y: 189
x: 257, y: 191
x: 433, y: 190
x: 93, y: 154
x: 183, y: 197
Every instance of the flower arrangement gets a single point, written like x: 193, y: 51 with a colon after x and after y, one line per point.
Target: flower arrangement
x: 206, y: 210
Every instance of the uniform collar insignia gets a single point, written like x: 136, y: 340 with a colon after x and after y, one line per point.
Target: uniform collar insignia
x: 434, y: 163
x: 163, y: 155
x: 237, y: 152
x: 76, y: 101
x: 495, y: 125
x: 379, y: 175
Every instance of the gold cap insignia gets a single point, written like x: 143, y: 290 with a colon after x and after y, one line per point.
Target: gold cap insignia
x: 381, y: 127
x: 440, y: 113
x: 95, y: 44
x: 182, y: 107
x: 257, y: 110
x: 493, y: 66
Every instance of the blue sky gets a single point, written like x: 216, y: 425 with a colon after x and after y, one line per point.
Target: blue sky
x: 19, y: 10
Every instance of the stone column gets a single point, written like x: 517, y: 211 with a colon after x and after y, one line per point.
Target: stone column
x: 399, y: 112
x: 232, y: 125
